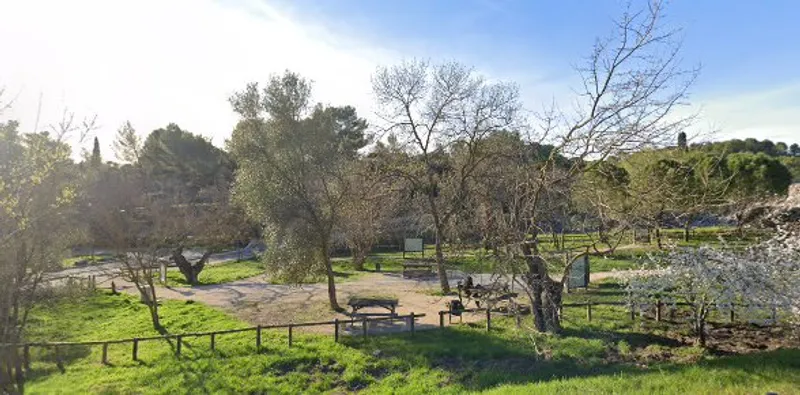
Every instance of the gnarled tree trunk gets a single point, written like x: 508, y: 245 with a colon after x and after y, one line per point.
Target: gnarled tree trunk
x: 189, y: 271
x: 544, y: 291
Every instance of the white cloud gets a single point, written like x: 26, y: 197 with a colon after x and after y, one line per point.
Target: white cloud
x: 154, y: 62
x: 772, y: 113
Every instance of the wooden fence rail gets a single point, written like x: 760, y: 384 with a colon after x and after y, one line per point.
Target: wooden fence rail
x: 56, y: 346
x: 657, y: 307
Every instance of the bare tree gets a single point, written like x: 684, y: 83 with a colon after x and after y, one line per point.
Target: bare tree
x: 125, y: 220
x: 372, y: 203
x: 632, y: 83
x: 433, y: 108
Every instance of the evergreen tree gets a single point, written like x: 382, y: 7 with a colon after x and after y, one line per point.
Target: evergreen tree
x: 96, y: 159
x: 682, y: 140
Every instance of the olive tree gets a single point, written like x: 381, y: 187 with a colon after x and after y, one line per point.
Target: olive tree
x: 292, y: 160
x: 37, y: 189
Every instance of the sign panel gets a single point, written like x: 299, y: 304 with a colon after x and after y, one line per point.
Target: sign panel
x: 579, y: 273
x: 163, y: 272
x: 413, y: 245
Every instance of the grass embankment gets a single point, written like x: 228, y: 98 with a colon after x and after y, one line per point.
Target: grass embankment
x: 607, y: 356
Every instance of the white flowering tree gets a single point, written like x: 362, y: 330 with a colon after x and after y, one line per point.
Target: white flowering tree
x: 705, y: 278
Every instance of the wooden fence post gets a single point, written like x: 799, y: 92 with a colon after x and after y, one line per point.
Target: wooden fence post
x: 412, y: 323
x: 488, y: 319
x: 135, y: 352
x: 589, y: 310
x: 336, y: 330
x: 290, y: 335
x: 364, y: 327
x: 441, y: 319
x: 105, y: 353
x: 113, y: 288
x: 213, y: 342
x: 178, y: 346
x: 658, y: 310
x: 633, y: 312
x: 258, y: 337
x: 26, y: 355
x: 57, y: 351
x: 733, y: 315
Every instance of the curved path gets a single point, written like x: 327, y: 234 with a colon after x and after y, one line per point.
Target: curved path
x: 257, y: 301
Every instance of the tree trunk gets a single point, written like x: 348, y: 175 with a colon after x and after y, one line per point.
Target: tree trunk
x: 445, y: 284
x: 154, y: 315
x: 359, y: 257
x: 189, y: 271
x: 658, y: 237
x: 687, y: 227
x: 546, y: 293
x: 153, y: 307
x: 331, y: 280
x: 12, y: 377
x: 437, y: 222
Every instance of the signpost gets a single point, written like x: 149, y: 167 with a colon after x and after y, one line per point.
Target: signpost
x: 579, y: 273
x: 163, y: 272
x: 413, y: 245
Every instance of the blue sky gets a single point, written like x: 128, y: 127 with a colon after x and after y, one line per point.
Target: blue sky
x: 740, y: 44
x: 153, y: 62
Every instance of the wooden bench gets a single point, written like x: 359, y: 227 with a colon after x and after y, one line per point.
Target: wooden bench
x: 360, y: 303
x: 417, y: 269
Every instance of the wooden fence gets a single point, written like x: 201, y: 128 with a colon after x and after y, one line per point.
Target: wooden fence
x: 658, y: 310
x: 56, y: 346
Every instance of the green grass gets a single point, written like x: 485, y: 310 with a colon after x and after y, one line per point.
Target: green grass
x: 219, y: 273
x: 92, y: 260
x: 607, y: 356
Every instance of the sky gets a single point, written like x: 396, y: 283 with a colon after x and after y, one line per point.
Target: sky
x: 153, y: 62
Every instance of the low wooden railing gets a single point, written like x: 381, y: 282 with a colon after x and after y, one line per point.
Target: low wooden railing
x: 55, y: 346
x: 657, y: 310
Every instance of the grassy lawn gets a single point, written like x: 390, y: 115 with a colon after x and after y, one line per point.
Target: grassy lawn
x: 218, y: 273
x: 607, y: 356
x: 92, y: 260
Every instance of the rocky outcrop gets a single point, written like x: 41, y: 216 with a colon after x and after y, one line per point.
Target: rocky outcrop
x: 783, y: 213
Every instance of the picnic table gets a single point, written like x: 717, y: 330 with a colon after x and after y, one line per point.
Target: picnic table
x: 489, y: 294
x: 361, y: 303
x: 417, y: 269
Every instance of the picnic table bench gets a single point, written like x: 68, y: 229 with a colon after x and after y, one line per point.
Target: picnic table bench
x: 417, y: 269
x: 360, y: 303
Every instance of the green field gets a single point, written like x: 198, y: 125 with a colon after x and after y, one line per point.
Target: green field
x: 219, y: 273
x: 610, y: 355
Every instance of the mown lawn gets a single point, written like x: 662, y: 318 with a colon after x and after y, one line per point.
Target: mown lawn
x: 218, y: 273
x: 607, y: 356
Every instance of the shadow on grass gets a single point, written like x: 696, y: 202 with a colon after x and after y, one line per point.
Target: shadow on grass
x: 480, y: 361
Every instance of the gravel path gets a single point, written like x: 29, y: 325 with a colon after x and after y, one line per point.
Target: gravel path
x: 259, y: 302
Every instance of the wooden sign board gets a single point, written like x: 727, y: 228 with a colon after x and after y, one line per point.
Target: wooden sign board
x: 413, y: 245
x: 579, y: 273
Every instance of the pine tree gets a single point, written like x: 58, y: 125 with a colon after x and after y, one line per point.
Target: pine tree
x: 96, y: 159
x: 682, y: 140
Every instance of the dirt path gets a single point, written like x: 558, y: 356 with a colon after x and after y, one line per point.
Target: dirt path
x: 256, y: 301
x: 261, y: 303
